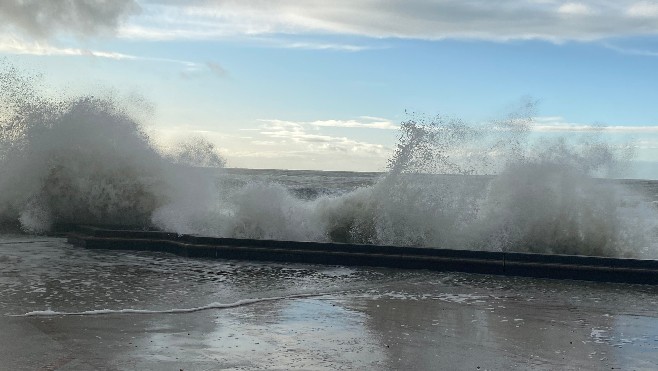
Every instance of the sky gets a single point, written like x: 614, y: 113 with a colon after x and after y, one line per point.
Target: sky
x: 314, y: 84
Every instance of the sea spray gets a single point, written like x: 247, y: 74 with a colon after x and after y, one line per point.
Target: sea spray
x: 450, y: 184
x: 81, y: 159
x: 195, y: 151
x: 542, y: 198
x: 256, y: 210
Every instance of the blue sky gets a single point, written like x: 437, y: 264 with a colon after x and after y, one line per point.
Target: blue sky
x: 323, y: 85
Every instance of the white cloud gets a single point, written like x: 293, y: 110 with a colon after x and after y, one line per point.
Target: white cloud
x: 43, y: 19
x: 643, y: 9
x: 197, y: 70
x: 553, y: 20
x: 556, y: 20
x: 366, y: 122
x: 296, y: 133
x: 631, y: 51
x: 13, y: 45
x: 287, y: 145
x: 576, y: 9
x: 557, y: 124
x: 320, y: 46
x: 263, y: 142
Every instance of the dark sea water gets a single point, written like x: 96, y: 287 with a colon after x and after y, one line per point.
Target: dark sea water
x: 306, y: 184
x: 311, y: 184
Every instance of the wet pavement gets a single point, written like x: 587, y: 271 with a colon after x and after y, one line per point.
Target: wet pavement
x: 66, y: 308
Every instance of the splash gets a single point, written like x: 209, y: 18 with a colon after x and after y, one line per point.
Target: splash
x: 80, y: 159
x: 453, y: 184
x: 449, y: 184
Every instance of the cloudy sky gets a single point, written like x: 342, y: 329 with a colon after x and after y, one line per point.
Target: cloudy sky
x: 314, y: 84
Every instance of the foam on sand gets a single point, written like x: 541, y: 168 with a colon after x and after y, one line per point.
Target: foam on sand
x: 211, y: 306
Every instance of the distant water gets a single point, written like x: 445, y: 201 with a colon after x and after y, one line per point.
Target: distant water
x: 88, y: 159
x: 304, y: 184
x: 311, y: 184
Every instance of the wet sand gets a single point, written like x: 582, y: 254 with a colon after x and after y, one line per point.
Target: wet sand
x: 313, y: 317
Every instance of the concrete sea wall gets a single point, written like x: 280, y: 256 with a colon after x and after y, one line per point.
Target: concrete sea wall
x: 486, y: 262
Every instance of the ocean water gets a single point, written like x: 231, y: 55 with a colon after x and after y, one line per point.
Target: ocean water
x: 448, y: 184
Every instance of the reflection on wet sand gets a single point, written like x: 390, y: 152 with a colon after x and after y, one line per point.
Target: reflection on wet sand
x: 360, y: 319
x: 538, y: 327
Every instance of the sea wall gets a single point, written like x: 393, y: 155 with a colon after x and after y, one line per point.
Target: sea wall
x: 486, y: 262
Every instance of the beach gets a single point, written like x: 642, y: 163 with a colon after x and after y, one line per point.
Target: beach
x: 65, y: 308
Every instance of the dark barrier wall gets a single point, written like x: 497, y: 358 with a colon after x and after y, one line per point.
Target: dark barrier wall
x: 502, y: 263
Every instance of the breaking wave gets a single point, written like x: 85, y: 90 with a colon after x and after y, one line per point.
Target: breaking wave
x: 83, y: 159
x: 548, y: 196
x: 88, y: 159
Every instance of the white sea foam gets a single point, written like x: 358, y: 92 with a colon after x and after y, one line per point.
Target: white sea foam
x: 211, y: 306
